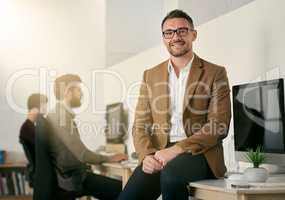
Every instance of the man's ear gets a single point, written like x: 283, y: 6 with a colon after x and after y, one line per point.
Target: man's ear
x: 67, y: 93
x: 194, y: 35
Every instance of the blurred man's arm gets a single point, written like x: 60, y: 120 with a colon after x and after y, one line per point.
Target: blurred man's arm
x: 69, y: 135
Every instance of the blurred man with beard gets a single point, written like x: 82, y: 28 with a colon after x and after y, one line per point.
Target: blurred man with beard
x: 69, y: 155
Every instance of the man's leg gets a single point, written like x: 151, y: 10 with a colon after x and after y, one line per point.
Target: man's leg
x: 142, y: 186
x: 101, y: 187
x: 179, y: 172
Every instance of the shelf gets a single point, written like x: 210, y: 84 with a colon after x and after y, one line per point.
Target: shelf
x: 13, y: 165
x: 23, y: 197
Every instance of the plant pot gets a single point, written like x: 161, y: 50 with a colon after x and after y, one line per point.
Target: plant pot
x: 252, y: 174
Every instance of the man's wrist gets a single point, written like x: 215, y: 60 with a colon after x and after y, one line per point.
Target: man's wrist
x: 178, y: 149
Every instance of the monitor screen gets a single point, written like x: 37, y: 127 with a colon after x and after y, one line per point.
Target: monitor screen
x: 115, y: 129
x: 259, y: 116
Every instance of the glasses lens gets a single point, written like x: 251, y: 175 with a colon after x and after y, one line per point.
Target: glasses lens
x: 182, y: 31
x: 168, y: 34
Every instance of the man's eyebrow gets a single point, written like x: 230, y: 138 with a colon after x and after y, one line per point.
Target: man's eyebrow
x: 170, y: 29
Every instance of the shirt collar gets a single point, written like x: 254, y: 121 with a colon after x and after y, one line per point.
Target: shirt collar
x: 185, y: 69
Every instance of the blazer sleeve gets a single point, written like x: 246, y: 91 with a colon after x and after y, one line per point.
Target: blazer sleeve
x: 218, y: 118
x: 143, y: 122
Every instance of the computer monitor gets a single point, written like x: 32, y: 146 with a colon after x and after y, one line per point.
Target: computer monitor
x: 258, y: 116
x: 116, y: 123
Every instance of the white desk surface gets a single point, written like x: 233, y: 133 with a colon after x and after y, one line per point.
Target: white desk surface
x: 223, y: 185
x: 122, y: 165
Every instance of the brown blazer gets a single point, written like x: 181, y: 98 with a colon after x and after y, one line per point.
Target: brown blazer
x: 206, y: 116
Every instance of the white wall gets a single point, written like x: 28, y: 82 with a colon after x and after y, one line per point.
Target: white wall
x: 203, y: 11
x: 248, y: 41
x: 65, y: 36
x: 132, y: 27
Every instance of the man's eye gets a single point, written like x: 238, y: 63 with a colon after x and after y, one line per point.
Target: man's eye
x: 182, y: 31
x: 167, y: 32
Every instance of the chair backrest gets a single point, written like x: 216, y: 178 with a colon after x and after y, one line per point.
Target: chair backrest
x: 45, y: 178
x: 31, y: 161
x: 28, y: 152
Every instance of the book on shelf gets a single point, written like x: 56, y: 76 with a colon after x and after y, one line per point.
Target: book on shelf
x: 4, y: 184
x: 13, y: 182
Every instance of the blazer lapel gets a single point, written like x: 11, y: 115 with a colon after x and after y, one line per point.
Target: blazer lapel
x: 192, y: 81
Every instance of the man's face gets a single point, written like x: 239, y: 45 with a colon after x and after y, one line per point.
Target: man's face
x: 181, y: 42
x: 76, y: 94
x: 43, y: 108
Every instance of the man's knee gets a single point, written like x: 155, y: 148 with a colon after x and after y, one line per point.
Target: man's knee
x: 169, y: 178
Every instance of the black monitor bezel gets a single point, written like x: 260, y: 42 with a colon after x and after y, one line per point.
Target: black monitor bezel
x: 280, y: 84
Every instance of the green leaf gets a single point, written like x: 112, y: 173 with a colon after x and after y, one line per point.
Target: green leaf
x: 256, y: 157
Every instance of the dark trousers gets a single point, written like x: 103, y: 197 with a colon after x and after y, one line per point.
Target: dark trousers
x: 95, y: 185
x: 171, y: 182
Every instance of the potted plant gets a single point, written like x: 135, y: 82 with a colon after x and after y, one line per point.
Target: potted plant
x: 256, y: 173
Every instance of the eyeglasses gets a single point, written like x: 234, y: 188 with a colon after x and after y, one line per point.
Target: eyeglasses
x: 169, y: 34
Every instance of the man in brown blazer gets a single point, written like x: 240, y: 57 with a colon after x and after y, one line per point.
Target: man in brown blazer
x: 182, y: 116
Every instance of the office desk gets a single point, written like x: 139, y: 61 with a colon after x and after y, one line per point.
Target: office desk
x: 115, y: 169
x: 221, y: 190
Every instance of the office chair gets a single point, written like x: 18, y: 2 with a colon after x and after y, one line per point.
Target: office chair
x: 45, y: 178
x: 30, y: 172
x: 45, y: 181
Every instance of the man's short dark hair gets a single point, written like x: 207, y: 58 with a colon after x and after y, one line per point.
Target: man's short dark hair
x: 35, y: 100
x: 63, y: 82
x: 177, y: 14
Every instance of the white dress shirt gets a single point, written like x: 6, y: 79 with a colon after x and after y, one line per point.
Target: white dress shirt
x: 177, y: 87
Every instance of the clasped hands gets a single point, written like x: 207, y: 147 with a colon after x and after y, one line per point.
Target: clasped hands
x: 156, y: 162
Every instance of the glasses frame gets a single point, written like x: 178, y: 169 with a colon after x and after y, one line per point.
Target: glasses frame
x: 177, y: 32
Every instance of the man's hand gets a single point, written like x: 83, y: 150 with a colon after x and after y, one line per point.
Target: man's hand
x: 151, y: 165
x: 166, y: 155
x: 118, y: 157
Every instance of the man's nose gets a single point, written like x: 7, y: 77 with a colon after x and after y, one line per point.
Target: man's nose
x: 176, y: 36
